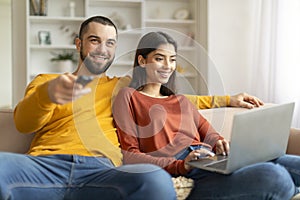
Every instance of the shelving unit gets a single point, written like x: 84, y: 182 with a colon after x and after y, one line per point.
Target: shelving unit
x: 133, y: 18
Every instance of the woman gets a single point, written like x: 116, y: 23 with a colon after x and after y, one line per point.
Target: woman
x: 156, y: 126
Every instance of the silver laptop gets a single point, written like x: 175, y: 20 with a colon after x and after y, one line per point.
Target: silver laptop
x: 257, y: 135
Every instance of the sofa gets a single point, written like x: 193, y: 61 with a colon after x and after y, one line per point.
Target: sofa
x: 13, y: 141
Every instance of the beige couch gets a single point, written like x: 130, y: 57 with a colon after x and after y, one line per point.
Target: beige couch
x: 12, y: 141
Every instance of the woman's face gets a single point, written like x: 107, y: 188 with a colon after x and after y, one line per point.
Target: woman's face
x: 159, y: 64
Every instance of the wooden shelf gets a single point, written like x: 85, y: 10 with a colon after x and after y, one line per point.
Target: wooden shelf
x: 49, y: 47
x: 169, y: 21
x: 47, y: 19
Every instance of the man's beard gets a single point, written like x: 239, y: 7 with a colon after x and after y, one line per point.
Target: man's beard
x: 92, y: 66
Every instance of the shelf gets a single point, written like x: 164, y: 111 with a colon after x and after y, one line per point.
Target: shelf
x: 186, y: 48
x: 116, y: 3
x: 46, y: 47
x: 47, y: 19
x: 130, y: 32
x: 170, y: 21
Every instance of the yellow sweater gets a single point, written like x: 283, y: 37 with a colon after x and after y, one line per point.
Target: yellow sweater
x: 84, y: 127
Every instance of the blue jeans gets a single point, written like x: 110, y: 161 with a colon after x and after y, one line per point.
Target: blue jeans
x: 79, y: 177
x: 278, y: 179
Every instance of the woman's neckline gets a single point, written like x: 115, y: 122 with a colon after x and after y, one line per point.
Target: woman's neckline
x: 153, y: 96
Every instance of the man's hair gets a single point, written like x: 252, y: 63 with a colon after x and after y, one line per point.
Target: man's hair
x: 98, y: 19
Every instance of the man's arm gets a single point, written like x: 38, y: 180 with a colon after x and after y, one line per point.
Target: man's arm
x: 240, y: 100
x: 204, y: 102
x: 35, y: 108
x: 42, y: 95
x: 245, y: 100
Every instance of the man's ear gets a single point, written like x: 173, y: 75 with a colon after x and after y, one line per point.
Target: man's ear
x: 141, y: 61
x: 78, y: 44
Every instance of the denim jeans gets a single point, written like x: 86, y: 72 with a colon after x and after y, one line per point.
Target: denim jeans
x: 79, y: 177
x: 278, y: 180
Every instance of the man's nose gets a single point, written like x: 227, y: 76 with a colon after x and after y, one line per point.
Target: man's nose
x: 101, y: 47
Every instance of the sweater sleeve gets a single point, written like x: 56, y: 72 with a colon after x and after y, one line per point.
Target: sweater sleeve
x: 205, y: 102
x: 129, y: 141
x: 208, y: 134
x: 35, y: 110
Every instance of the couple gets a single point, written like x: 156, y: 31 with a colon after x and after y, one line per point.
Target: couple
x: 75, y: 153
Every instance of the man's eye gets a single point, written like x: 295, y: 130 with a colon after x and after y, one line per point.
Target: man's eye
x: 110, y: 43
x: 94, y: 41
x: 158, y: 59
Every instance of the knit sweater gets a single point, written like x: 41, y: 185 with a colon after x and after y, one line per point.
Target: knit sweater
x: 84, y: 127
x: 154, y: 130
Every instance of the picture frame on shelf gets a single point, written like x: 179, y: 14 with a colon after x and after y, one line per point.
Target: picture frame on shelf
x: 44, y: 37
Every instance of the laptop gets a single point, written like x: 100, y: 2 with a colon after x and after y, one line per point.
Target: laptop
x: 257, y: 135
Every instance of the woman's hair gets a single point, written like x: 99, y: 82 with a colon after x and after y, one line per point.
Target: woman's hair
x: 148, y: 43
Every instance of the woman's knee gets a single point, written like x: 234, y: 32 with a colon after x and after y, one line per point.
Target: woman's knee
x: 275, y: 179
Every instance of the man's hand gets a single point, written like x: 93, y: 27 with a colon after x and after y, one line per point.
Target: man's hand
x: 64, y: 89
x: 245, y: 100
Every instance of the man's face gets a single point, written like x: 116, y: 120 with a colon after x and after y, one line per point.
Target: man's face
x: 98, y: 46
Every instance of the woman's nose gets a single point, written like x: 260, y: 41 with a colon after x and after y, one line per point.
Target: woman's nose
x: 167, y: 64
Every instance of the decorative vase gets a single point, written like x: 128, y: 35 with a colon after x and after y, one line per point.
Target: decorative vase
x: 64, y: 66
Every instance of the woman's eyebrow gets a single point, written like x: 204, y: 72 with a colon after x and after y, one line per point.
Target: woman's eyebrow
x: 159, y: 54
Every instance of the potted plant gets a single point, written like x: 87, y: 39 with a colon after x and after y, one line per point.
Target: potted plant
x: 64, y: 61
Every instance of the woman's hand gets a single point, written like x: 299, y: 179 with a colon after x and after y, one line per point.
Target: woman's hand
x: 195, y: 155
x: 222, y: 147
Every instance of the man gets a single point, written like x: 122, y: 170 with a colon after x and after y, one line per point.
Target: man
x: 75, y: 154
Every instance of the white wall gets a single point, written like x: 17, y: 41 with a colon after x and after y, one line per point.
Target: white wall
x: 5, y: 54
x: 230, y: 36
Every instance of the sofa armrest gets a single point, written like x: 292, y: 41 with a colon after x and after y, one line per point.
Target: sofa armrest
x: 294, y: 141
x: 10, y: 139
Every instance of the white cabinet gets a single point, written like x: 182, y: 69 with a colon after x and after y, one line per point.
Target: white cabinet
x: 180, y: 18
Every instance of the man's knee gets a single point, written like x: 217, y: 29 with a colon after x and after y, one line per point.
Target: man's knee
x: 155, y: 182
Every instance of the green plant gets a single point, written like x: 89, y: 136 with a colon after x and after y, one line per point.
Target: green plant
x: 63, y: 56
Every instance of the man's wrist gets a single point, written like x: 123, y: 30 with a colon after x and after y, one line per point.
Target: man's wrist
x: 220, y: 101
